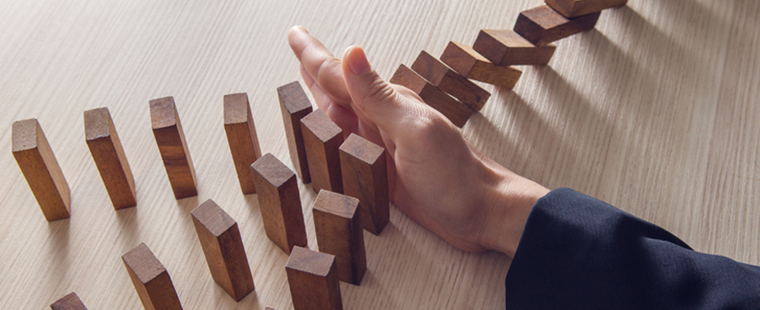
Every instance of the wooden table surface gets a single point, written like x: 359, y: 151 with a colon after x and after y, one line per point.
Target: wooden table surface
x: 655, y: 111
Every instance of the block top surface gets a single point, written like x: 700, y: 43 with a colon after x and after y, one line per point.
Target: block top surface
x: 97, y: 123
x: 143, y: 263
x: 305, y: 260
x: 509, y: 38
x: 213, y: 217
x: 163, y: 112
x: 25, y: 134
x: 408, y: 78
x: 293, y: 97
x: 430, y: 67
x: 545, y: 16
x: 467, y: 49
x: 236, y: 108
x: 335, y: 203
x: 69, y: 302
x: 362, y: 149
x: 272, y: 169
x: 321, y: 125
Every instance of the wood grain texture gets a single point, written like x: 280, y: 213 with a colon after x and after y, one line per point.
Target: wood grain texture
x: 365, y: 176
x: 471, y: 64
x: 506, y: 47
x: 108, y: 154
x: 543, y: 25
x: 456, y: 111
x: 322, y: 138
x: 449, y: 81
x: 575, y: 8
x: 337, y: 223
x: 242, y: 138
x: 294, y: 105
x: 151, y: 280
x: 170, y: 138
x: 313, y: 280
x: 69, y: 302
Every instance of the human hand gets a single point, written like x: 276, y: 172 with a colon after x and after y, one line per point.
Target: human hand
x: 435, y: 175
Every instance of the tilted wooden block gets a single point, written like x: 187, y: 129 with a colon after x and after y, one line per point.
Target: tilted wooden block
x: 279, y: 202
x: 457, y: 112
x: 295, y: 105
x: 69, y: 302
x: 365, y: 176
x: 108, y: 154
x: 172, y: 146
x: 322, y: 137
x: 506, y: 47
x: 337, y: 223
x: 543, y: 25
x: 449, y: 81
x: 41, y: 170
x: 313, y: 280
x: 575, y: 8
x: 151, y: 280
x: 223, y: 248
x: 472, y: 65
x: 242, y: 138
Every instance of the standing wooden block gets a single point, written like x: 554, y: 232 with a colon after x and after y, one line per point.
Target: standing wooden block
x: 295, y: 105
x: 69, y: 302
x: 313, y: 280
x: 449, y: 81
x: 241, y: 135
x: 150, y: 278
x: 506, y: 47
x: 172, y: 146
x: 41, y: 170
x: 223, y: 248
x: 105, y: 147
x: 457, y: 112
x: 279, y: 202
x: 575, y: 8
x: 472, y: 65
x: 337, y: 222
x: 322, y: 137
x: 543, y: 25
x: 365, y: 176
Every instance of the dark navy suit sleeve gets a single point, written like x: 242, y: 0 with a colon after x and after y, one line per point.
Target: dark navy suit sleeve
x: 577, y: 252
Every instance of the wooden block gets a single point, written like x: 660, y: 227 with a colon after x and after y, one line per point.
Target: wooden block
x: 457, y: 112
x: 295, y: 105
x: 279, y: 202
x: 575, y: 8
x: 449, y: 81
x: 171, y: 144
x: 322, y: 137
x: 313, y: 280
x: 69, y: 302
x: 241, y: 135
x: 472, y: 65
x: 41, y: 170
x: 365, y: 176
x: 337, y: 223
x: 150, y: 278
x: 543, y: 25
x: 223, y: 248
x: 506, y: 47
x: 105, y: 147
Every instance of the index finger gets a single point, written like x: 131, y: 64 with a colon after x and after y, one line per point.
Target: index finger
x: 321, y: 65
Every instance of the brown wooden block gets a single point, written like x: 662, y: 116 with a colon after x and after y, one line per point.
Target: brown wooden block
x: 506, y: 47
x: 449, y: 81
x: 365, y: 176
x: 150, y: 278
x: 241, y: 135
x: 223, y: 248
x: 472, y: 65
x: 40, y: 168
x: 457, y: 112
x: 171, y: 144
x: 543, y: 25
x: 313, y: 280
x: 295, y: 105
x: 322, y: 137
x: 108, y: 154
x: 575, y: 8
x: 337, y: 223
x: 69, y: 302
x: 279, y: 202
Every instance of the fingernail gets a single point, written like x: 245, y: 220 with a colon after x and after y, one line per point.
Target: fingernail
x: 303, y: 28
x: 357, y: 61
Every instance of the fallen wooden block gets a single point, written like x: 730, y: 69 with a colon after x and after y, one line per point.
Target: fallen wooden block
x: 575, y: 8
x: 41, y: 170
x: 172, y: 146
x: 506, y: 48
x: 295, y: 105
x: 472, y: 65
x: 223, y: 248
x: 150, y: 278
x: 457, y: 112
x: 365, y: 176
x: 108, y: 154
x: 337, y: 223
x: 279, y: 202
x: 242, y: 138
x: 543, y: 25
x: 313, y: 280
x: 69, y: 302
x: 322, y: 137
x: 449, y: 81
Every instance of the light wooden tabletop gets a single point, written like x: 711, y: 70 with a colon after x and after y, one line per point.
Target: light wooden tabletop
x: 655, y: 111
